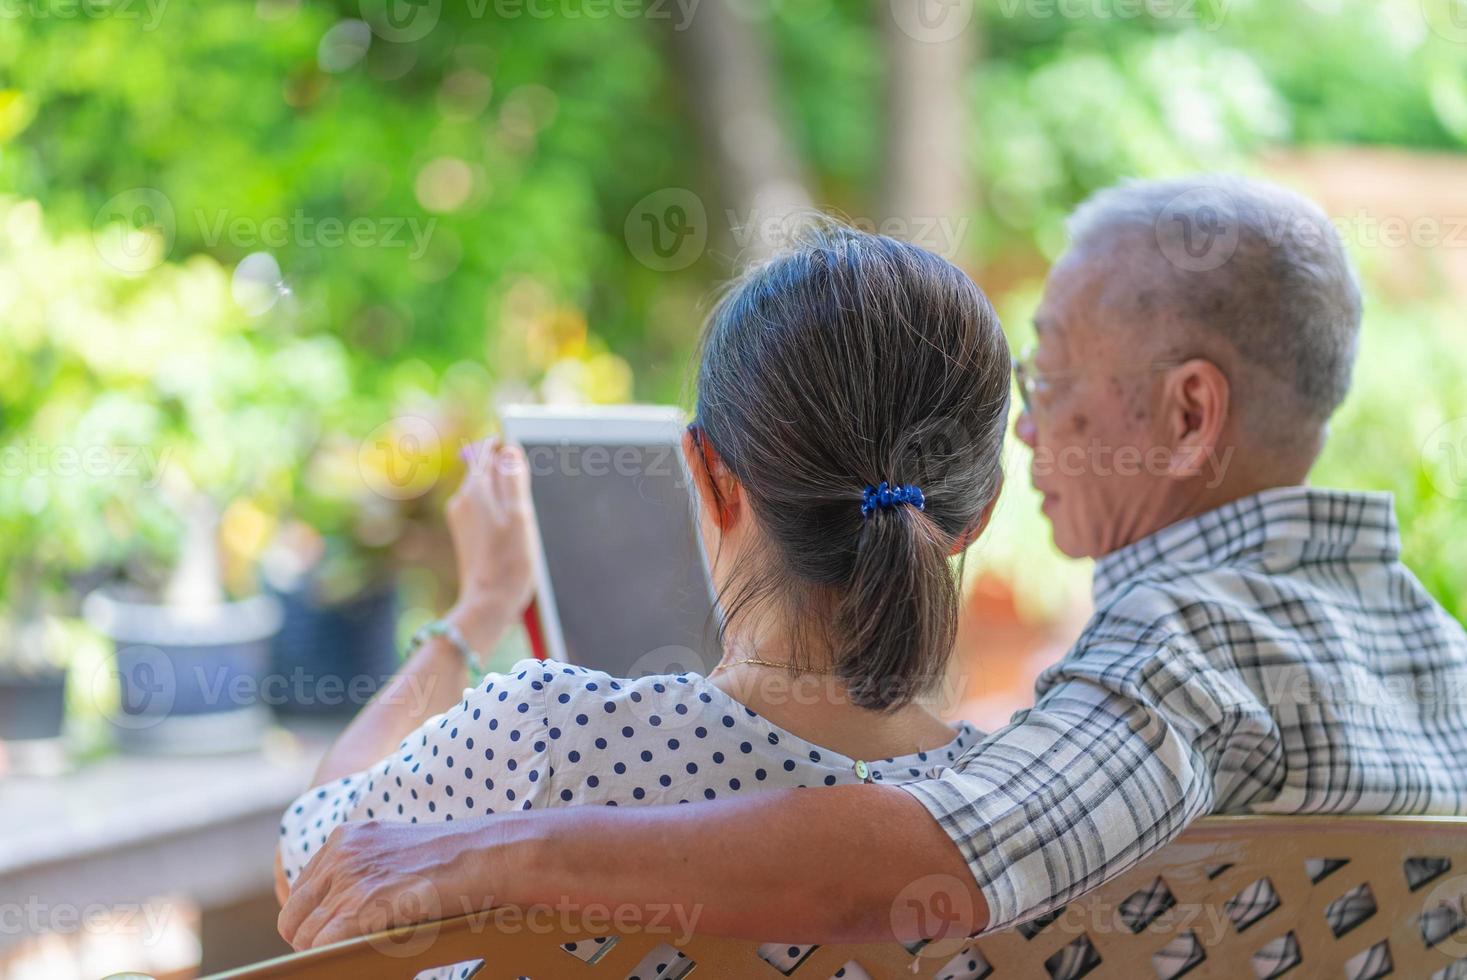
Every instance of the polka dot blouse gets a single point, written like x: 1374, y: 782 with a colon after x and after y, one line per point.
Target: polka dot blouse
x: 552, y: 734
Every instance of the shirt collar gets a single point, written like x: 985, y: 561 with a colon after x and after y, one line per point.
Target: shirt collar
x: 1359, y: 523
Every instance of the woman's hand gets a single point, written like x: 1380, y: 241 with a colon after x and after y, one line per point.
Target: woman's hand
x: 495, y: 540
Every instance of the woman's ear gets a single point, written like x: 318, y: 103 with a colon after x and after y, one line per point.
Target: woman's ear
x: 720, y: 497
x: 979, y: 526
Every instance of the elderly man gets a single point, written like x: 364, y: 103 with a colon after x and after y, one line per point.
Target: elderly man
x: 1257, y: 646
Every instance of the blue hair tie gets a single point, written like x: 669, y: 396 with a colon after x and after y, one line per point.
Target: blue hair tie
x: 886, y: 497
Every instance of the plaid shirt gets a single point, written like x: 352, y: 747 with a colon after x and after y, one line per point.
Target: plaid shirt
x: 1269, y: 656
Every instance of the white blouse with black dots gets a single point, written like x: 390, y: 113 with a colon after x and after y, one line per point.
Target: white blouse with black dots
x: 553, y: 734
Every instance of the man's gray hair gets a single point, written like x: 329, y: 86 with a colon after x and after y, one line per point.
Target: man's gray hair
x: 1248, y: 261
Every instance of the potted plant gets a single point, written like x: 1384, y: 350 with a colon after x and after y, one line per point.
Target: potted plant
x: 191, y: 662
x: 362, y: 503
x: 32, y: 675
x: 338, y: 640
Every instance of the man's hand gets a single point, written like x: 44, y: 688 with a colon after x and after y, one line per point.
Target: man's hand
x: 282, y: 887
x: 376, y: 875
x: 845, y: 864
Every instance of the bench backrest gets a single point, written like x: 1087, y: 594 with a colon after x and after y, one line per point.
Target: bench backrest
x: 1232, y: 897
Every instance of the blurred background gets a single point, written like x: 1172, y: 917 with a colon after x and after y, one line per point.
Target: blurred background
x: 265, y: 265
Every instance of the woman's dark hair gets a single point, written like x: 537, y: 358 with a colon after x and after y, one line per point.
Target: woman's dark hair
x: 848, y: 360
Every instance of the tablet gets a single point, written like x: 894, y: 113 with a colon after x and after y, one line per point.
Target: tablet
x: 622, y: 586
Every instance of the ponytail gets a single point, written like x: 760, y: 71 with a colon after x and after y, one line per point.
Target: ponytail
x: 898, y: 618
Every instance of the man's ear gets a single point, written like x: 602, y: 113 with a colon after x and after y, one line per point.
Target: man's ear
x: 719, y: 495
x: 1196, y: 410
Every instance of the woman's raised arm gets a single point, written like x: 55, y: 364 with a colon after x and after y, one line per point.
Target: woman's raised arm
x: 492, y: 521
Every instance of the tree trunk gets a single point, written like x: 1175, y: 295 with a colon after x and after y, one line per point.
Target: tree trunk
x: 927, y: 176
x: 730, y: 86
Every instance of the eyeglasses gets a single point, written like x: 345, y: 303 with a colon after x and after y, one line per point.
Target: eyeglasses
x: 1032, y: 381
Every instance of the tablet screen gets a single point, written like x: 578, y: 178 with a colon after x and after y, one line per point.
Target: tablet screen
x: 627, y: 586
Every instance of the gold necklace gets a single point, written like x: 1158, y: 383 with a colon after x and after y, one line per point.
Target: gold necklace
x: 755, y: 661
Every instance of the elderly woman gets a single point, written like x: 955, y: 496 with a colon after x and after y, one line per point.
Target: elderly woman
x: 852, y: 401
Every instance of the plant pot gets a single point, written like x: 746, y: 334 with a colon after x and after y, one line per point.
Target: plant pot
x: 32, y: 705
x: 191, y: 679
x: 329, y: 658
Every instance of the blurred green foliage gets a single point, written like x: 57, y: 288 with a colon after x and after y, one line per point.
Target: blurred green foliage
x: 491, y: 165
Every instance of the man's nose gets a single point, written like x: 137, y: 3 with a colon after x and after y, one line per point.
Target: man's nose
x: 1025, y: 428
